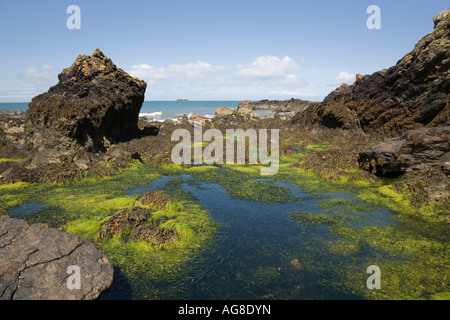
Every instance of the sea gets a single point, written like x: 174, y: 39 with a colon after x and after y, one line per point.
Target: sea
x: 162, y: 110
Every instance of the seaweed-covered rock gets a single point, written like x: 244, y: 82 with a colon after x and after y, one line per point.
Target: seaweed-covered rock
x: 124, y: 220
x: 93, y: 105
x: 429, y: 185
x: 100, y: 170
x: 11, y: 172
x: 60, y: 172
x: 154, y: 235
x: 34, y: 262
x: 155, y: 199
x: 121, y: 157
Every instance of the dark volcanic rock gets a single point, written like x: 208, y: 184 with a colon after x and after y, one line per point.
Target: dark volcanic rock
x: 93, y: 105
x: 415, y: 150
x: 414, y: 93
x: 334, y: 117
x: 34, y: 260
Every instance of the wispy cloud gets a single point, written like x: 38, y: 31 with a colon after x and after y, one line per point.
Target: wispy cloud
x: 191, y: 71
x: 265, y: 74
x: 268, y: 67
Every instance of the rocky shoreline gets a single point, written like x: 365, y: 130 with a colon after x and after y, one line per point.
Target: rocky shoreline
x: 394, y: 123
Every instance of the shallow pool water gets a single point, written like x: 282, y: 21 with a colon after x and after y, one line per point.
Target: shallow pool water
x: 274, y: 239
x: 26, y: 209
x: 261, y: 252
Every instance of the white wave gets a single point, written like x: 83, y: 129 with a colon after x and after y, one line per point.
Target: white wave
x: 151, y: 114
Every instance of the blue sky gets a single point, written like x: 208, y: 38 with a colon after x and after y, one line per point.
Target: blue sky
x: 210, y: 50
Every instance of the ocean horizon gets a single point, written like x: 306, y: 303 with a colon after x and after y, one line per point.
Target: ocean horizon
x: 163, y: 110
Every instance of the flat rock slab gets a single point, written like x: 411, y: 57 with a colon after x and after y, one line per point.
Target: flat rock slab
x: 36, y: 264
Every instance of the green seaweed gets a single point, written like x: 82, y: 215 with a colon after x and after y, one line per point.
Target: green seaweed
x: 413, y: 253
x: 13, y: 160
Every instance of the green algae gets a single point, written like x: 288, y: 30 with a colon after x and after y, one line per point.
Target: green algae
x: 440, y: 296
x: 13, y: 160
x: 413, y: 259
x: 319, y: 147
x: 238, y: 181
x: 412, y: 255
x: 81, y: 206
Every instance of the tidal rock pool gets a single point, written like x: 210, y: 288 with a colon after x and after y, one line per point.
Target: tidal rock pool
x: 243, y: 237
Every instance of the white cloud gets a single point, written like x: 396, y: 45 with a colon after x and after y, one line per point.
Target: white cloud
x: 344, y: 77
x: 44, y: 74
x: 191, y: 70
x: 268, y: 67
x: 263, y: 75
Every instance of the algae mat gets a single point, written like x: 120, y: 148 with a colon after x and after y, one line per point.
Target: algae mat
x: 293, y: 236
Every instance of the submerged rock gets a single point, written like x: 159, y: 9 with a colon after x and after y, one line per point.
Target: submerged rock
x: 94, y: 104
x: 34, y: 260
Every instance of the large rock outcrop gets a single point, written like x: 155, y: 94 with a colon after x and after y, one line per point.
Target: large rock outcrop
x: 414, y: 93
x: 35, y: 260
x: 93, y: 105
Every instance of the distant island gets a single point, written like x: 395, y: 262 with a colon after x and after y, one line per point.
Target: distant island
x: 183, y: 99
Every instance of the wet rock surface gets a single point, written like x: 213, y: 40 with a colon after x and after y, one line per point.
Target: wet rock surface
x: 34, y: 260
